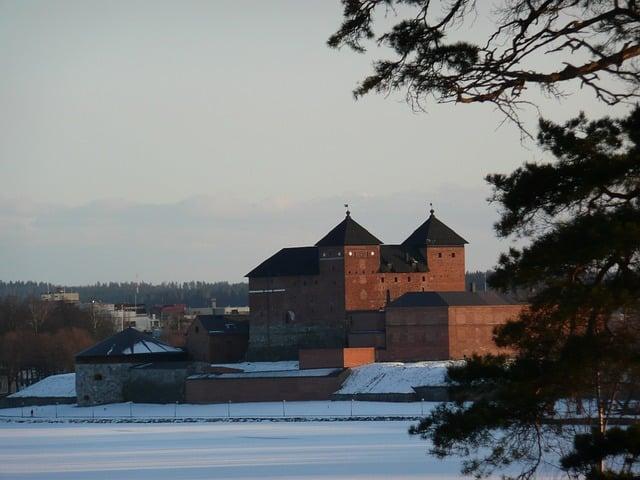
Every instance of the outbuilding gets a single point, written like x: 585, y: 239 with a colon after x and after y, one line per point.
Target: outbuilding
x: 217, y: 339
x: 107, y: 373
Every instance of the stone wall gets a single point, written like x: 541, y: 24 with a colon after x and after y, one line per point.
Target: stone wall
x: 155, y: 385
x: 101, y: 383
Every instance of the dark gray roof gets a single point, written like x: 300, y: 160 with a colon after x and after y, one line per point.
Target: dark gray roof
x: 289, y: 261
x: 220, y: 324
x: 434, y: 233
x: 348, y: 232
x: 402, y: 259
x: 450, y: 299
x: 131, y: 343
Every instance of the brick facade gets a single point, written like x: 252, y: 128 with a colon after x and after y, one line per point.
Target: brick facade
x: 319, y: 297
x: 336, y: 357
x: 443, y: 332
x: 262, y: 389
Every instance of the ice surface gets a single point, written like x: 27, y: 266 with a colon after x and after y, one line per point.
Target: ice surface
x: 248, y: 451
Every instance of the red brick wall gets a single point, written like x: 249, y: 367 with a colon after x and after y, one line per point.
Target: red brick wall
x: 414, y: 334
x: 471, y: 328
x: 446, y: 269
x: 354, y: 357
x: 366, y: 288
x: 227, y: 348
x: 335, y: 357
x: 366, y: 339
x: 197, y: 342
x: 320, y: 358
x: 222, y: 390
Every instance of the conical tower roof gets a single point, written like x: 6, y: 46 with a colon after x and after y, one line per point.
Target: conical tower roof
x: 130, y: 342
x: 434, y: 233
x: 348, y: 232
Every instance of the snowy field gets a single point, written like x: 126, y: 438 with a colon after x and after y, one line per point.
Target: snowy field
x: 310, y: 451
x: 142, y: 411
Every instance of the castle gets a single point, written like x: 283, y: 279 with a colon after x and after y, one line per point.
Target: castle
x: 350, y: 290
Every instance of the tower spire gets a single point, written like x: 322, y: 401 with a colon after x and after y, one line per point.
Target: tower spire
x: 346, y: 205
x: 431, y: 210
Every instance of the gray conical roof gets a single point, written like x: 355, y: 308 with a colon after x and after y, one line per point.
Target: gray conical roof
x: 434, y: 233
x: 348, y: 232
x: 129, y: 342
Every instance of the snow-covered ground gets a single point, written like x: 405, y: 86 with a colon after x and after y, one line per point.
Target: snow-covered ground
x: 395, y: 377
x: 144, y: 411
x: 260, y: 366
x: 372, y: 378
x: 54, y: 386
x: 265, y: 451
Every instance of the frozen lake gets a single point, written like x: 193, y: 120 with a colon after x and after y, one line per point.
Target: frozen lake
x: 263, y: 450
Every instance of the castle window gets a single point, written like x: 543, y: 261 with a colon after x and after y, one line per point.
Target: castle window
x: 408, y: 279
x: 289, y: 316
x: 395, y: 279
x: 440, y: 255
x: 381, y: 279
x: 97, y: 376
x: 424, y: 278
x: 453, y: 254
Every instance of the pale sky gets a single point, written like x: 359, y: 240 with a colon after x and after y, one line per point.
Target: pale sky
x: 189, y: 140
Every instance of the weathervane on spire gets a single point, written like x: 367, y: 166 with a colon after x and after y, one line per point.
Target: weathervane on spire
x: 346, y: 205
x: 431, y: 211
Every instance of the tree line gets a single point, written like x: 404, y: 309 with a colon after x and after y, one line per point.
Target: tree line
x: 194, y: 294
x: 39, y: 338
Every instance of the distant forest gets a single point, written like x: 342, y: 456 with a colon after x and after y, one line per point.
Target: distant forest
x: 194, y: 294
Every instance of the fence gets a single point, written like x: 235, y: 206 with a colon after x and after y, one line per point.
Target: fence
x: 268, y: 410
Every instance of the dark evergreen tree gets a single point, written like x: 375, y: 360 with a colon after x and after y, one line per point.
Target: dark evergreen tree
x: 588, y: 42
x: 575, y: 377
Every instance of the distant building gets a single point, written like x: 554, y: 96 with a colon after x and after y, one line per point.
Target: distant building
x: 61, y: 296
x: 130, y: 366
x: 303, y: 297
x: 136, y: 316
x: 217, y: 339
x: 350, y: 290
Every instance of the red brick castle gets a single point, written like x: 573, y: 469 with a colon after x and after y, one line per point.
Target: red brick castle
x: 339, y: 292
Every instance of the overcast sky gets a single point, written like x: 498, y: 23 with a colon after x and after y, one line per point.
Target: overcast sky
x: 189, y: 140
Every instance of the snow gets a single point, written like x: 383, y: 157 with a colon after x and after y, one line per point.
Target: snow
x: 372, y: 378
x: 149, y: 347
x: 54, y: 386
x: 316, y: 372
x: 260, y: 366
x: 247, y: 451
x: 395, y: 377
